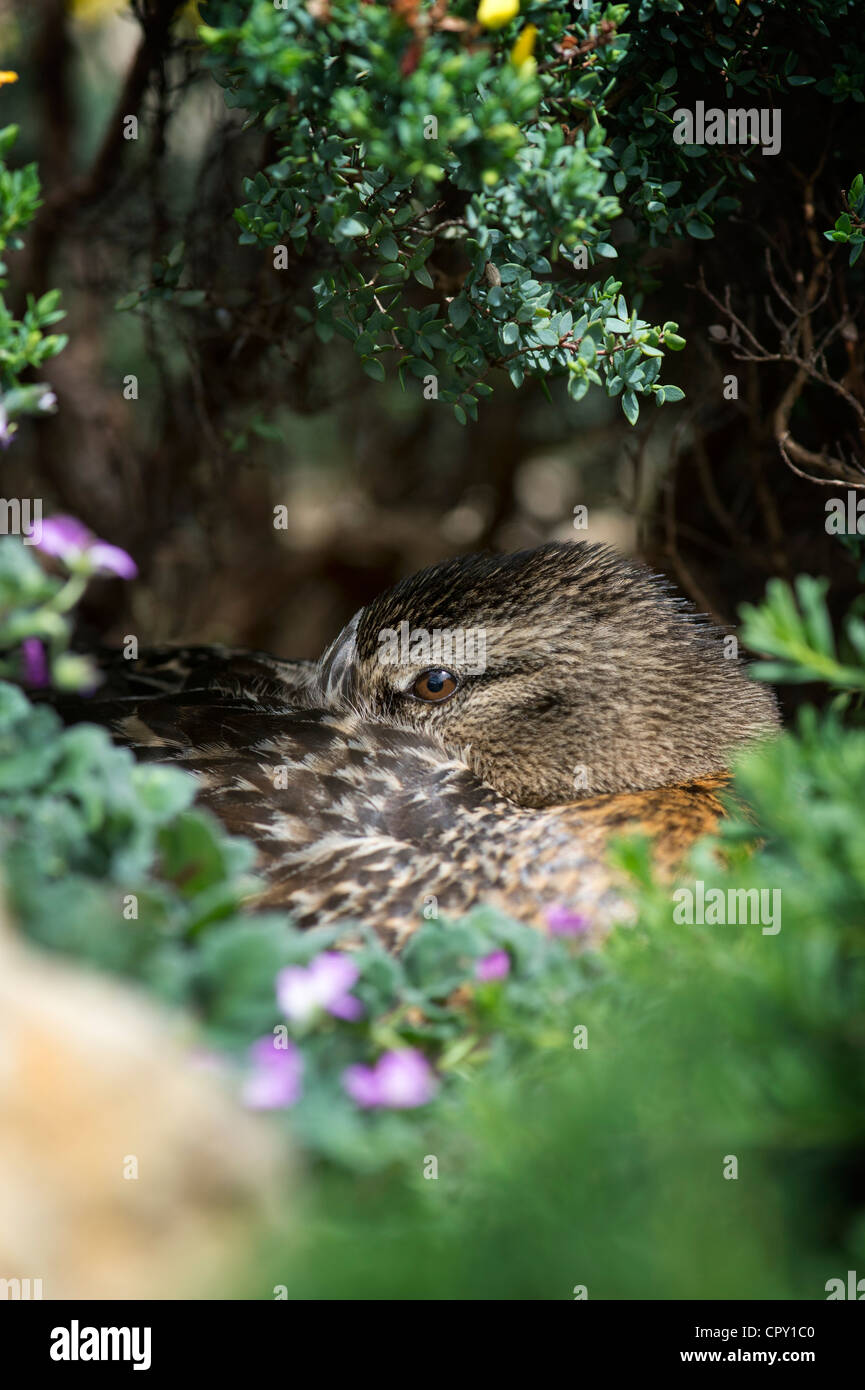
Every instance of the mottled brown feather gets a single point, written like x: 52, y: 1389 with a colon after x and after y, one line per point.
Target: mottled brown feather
x: 368, y: 805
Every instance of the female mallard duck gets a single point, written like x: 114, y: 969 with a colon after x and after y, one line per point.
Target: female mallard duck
x: 474, y: 735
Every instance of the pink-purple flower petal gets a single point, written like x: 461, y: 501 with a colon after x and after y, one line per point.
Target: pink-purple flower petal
x: 276, y: 1078
x: 333, y: 973
x: 495, y: 966
x: 34, y: 663
x: 400, y: 1080
x: 563, y: 922
x: 110, y: 559
x: 361, y: 1083
x: 302, y: 992
x: 405, y: 1079
x: 347, y: 1007
x: 69, y: 540
x: 65, y: 537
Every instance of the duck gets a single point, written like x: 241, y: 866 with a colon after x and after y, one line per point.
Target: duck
x: 478, y: 734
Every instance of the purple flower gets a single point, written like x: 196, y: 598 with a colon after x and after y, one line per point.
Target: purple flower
x: 362, y: 1085
x: 71, y: 541
x: 495, y: 966
x: 110, y: 559
x: 276, y: 1077
x: 347, y: 1008
x: 64, y: 537
x: 34, y: 666
x: 562, y: 922
x: 323, y: 984
x: 399, y: 1080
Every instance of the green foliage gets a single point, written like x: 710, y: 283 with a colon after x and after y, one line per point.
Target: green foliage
x: 444, y: 183
x: 379, y: 124
x: 36, y: 606
x: 793, y: 625
x: 110, y: 862
x: 558, y: 1164
x: 849, y: 229
x: 603, y: 1165
x: 165, y: 284
x: 23, y: 342
x: 83, y: 828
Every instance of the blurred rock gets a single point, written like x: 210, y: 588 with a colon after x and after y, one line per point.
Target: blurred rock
x: 544, y: 487
x: 603, y: 527
x: 96, y: 1084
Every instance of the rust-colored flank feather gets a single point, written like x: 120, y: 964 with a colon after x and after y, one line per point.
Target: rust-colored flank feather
x: 599, y: 704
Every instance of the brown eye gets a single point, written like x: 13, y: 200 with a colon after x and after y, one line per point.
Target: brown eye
x: 434, y: 685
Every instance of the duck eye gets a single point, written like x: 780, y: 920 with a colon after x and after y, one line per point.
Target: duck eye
x: 434, y: 685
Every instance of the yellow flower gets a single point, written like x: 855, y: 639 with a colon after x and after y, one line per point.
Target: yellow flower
x: 95, y: 11
x: 524, y: 46
x: 495, y: 14
x: 8, y: 77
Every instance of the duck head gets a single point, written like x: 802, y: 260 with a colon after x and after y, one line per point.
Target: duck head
x: 555, y: 673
